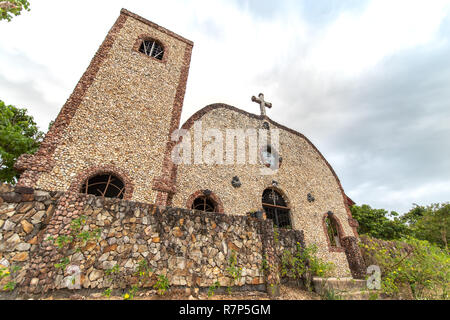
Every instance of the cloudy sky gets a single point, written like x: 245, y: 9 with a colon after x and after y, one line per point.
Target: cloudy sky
x: 368, y: 82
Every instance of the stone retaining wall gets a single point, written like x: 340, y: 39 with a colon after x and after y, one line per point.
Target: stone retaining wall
x: 391, y: 247
x: 24, y: 215
x: 288, y: 240
x: 191, y: 248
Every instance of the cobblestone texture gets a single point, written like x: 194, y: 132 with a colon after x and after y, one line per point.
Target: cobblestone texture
x: 303, y: 170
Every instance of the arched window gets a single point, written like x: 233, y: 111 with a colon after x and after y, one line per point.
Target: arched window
x: 276, y: 208
x: 333, y: 231
x: 205, y: 200
x: 152, y: 48
x: 204, y: 203
x: 104, y: 185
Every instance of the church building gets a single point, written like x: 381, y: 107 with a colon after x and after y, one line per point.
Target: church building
x: 114, y: 138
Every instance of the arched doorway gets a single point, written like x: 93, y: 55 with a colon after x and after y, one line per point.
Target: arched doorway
x: 276, y: 208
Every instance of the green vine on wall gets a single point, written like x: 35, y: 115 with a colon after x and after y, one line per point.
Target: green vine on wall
x: 302, y: 262
x: 76, y: 233
x: 276, y: 234
x: 162, y: 284
x: 212, y: 289
x: 233, y: 270
x: 77, y: 238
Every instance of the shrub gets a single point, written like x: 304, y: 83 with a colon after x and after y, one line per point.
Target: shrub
x: 212, y: 289
x: 416, y: 263
x: 296, y: 265
x: 162, y: 284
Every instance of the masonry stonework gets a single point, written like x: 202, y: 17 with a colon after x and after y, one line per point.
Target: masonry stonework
x: 119, y: 120
x: 303, y: 171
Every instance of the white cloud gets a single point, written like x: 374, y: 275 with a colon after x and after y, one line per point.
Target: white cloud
x: 231, y: 54
x: 357, y: 42
x: 309, y: 72
x: 402, y: 199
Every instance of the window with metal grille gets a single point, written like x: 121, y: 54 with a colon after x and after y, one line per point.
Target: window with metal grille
x: 332, y: 231
x: 104, y: 185
x: 204, y: 203
x: 276, y: 208
x: 152, y: 48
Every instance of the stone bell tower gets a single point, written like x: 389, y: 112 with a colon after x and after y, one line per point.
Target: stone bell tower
x: 119, y: 118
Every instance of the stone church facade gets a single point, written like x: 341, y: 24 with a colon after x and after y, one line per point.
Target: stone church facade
x: 305, y: 181
x: 118, y: 124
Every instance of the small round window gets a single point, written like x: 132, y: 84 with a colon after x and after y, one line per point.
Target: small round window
x: 152, y: 48
x: 270, y: 157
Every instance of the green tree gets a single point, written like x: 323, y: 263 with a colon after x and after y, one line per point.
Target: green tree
x: 414, y: 215
x: 378, y: 223
x: 11, y: 8
x: 431, y: 223
x: 50, y: 125
x: 19, y: 134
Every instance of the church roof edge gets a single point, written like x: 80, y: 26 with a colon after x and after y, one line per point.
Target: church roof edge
x: 199, y: 114
x: 156, y: 26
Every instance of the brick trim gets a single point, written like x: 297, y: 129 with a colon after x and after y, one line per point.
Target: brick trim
x: 199, y: 114
x: 155, y: 26
x: 146, y: 36
x: 98, y: 170
x: 200, y: 193
x: 353, y: 223
x: 281, y: 192
x: 350, y: 202
x: 354, y: 257
x: 164, y: 185
x: 340, y: 231
x: 42, y: 161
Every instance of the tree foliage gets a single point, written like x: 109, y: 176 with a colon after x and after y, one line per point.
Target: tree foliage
x: 11, y: 8
x: 379, y: 223
x: 424, y: 267
x: 19, y: 134
x: 431, y: 223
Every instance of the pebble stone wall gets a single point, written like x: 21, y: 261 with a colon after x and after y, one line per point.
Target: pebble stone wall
x: 119, y: 116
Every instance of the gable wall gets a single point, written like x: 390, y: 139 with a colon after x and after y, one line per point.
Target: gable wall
x: 302, y: 171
